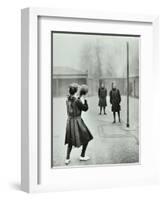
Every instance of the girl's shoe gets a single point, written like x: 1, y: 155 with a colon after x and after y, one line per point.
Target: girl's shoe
x: 85, y: 158
x: 67, y: 161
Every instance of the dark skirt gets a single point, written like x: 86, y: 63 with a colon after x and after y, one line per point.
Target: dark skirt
x: 102, y: 102
x: 77, y: 132
x: 116, y: 108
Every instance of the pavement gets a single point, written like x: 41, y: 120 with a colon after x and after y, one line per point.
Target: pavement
x: 112, y: 143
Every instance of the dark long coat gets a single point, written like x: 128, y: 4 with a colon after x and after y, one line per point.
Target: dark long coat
x: 115, y: 99
x: 102, y: 94
x: 77, y: 132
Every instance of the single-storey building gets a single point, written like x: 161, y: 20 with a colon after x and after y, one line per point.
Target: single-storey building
x: 64, y: 76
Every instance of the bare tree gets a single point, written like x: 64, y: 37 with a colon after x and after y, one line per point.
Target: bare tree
x: 90, y: 59
x: 98, y: 62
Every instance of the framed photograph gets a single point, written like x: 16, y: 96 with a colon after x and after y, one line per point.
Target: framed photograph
x: 86, y: 96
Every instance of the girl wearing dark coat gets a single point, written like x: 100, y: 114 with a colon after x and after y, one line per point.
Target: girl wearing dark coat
x: 102, y: 94
x: 77, y: 133
x: 115, y: 99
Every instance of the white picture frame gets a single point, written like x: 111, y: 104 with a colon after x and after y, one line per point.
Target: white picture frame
x: 36, y: 171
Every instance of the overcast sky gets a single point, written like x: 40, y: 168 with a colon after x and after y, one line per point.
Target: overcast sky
x: 90, y: 52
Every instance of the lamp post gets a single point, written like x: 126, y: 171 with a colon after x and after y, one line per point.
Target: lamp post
x: 127, y: 85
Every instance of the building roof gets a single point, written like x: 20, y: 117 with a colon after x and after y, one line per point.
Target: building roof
x: 67, y: 72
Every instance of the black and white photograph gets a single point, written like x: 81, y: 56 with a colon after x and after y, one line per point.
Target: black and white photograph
x: 94, y: 99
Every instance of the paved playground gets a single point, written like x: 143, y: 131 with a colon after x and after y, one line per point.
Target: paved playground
x: 112, y: 143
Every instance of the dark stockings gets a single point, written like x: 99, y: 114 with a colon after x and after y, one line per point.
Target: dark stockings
x: 114, y: 116
x: 119, y: 116
x: 84, y: 149
x: 69, y: 148
x: 103, y: 110
x: 100, y: 110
